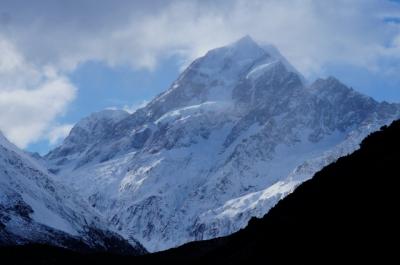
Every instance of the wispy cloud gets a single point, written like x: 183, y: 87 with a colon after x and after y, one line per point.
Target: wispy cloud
x: 58, y: 133
x: 132, y: 108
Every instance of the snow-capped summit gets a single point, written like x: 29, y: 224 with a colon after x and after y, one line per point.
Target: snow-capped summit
x: 214, y: 76
x: 237, y: 131
x: 244, y: 42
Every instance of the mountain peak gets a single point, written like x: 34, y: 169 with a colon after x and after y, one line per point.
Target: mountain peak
x: 328, y: 83
x: 338, y: 93
x: 244, y: 50
x: 214, y: 76
x: 245, y: 41
x: 105, y: 115
x: 333, y: 80
x: 89, y: 130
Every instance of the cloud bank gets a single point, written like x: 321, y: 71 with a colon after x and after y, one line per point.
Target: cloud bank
x: 310, y: 33
x: 41, y: 42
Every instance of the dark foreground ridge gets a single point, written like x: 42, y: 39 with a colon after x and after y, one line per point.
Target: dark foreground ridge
x: 347, y: 212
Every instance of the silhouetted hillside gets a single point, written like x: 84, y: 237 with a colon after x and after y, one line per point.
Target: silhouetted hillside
x: 347, y: 212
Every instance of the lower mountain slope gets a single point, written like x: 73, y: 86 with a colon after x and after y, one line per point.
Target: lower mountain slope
x: 346, y: 212
x: 34, y: 208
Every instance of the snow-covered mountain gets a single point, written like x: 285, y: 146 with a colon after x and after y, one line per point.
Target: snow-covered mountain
x: 34, y: 208
x: 238, y: 130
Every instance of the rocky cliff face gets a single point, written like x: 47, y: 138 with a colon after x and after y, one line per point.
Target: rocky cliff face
x: 237, y: 131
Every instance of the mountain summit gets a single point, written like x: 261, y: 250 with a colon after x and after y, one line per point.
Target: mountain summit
x: 237, y: 131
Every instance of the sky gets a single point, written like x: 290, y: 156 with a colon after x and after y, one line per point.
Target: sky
x: 62, y: 60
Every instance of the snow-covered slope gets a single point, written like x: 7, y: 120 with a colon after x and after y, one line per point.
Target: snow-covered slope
x: 36, y: 209
x: 237, y: 131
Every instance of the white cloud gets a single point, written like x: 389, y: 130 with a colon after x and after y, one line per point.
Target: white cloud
x: 132, y: 108
x: 58, y: 133
x: 30, y: 97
